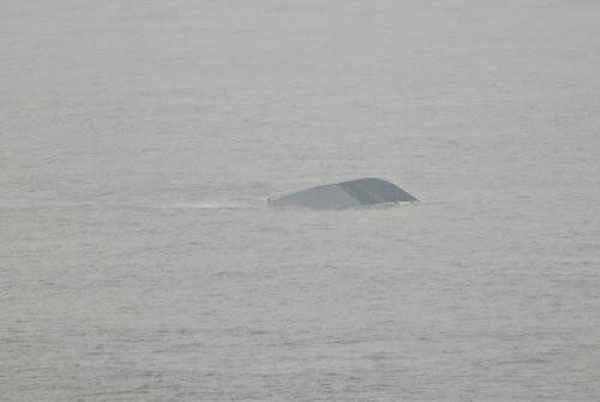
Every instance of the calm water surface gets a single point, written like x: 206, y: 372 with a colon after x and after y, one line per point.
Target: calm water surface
x: 139, y: 141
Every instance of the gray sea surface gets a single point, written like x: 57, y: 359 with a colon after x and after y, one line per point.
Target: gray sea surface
x: 139, y: 141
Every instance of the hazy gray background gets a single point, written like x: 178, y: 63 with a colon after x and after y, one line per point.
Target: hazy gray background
x: 139, y: 140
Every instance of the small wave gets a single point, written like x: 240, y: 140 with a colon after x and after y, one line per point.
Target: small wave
x: 203, y: 205
x: 47, y: 205
x: 126, y: 205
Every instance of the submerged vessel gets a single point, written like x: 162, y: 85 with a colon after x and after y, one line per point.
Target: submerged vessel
x: 346, y: 194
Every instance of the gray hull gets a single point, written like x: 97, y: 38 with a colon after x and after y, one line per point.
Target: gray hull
x: 346, y: 194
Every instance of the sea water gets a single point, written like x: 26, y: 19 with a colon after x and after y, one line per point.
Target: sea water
x: 139, y: 141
